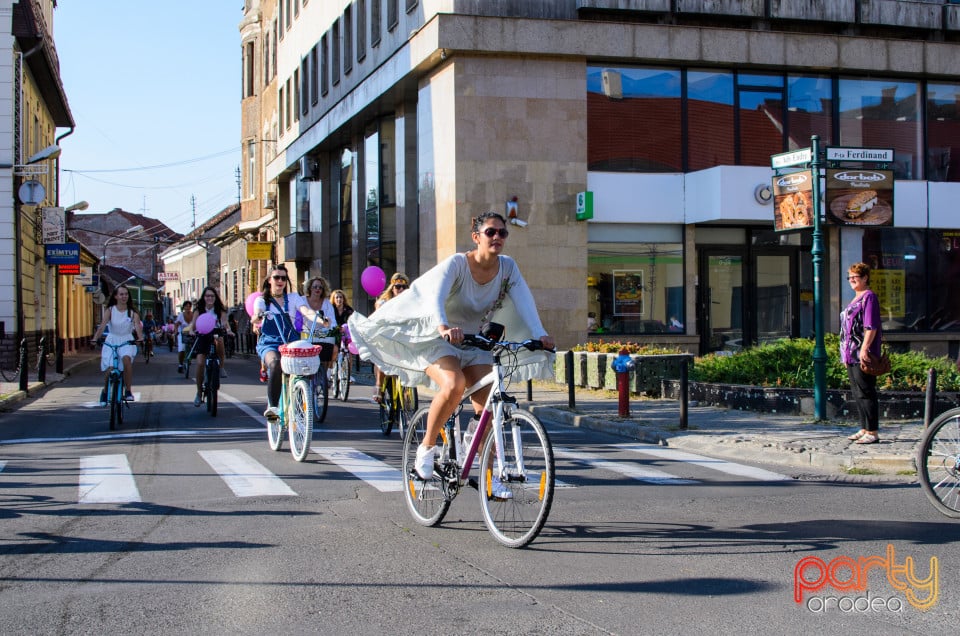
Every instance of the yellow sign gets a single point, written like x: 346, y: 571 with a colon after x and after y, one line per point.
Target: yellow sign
x: 259, y: 251
x: 890, y: 287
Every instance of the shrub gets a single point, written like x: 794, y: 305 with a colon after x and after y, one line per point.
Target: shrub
x: 789, y: 363
x: 600, y: 346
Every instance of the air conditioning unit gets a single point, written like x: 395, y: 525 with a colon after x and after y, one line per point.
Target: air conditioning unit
x: 612, y: 84
x: 270, y: 200
x: 309, y: 170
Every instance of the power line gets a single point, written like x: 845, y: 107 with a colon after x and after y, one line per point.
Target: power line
x: 158, y: 166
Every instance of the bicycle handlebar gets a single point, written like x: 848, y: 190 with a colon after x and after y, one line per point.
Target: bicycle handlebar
x: 488, y: 344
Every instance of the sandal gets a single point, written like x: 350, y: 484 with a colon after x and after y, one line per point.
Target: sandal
x: 868, y: 438
x: 857, y: 435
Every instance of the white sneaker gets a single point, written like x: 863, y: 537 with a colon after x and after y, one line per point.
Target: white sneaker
x: 424, y: 461
x: 498, y: 490
x: 272, y: 413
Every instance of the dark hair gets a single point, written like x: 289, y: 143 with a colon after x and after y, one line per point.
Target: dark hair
x: 113, y: 299
x: 218, y: 306
x: 184, y: 305
x: 478, y: 221
x: 265, y: 287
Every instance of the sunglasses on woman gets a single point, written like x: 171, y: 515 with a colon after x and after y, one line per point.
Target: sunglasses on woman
x: 279, y: 278
x: 492, y: 231
x: 400, y: 286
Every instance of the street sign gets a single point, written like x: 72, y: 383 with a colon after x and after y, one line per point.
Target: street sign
x: 792, y: 158
x: 31, y: 192
x: 62, y: 254
x: 54, y: 225
x: 165, y: 276
x: 259, y: 251
x: 878, y: 155
x: 85, y: 277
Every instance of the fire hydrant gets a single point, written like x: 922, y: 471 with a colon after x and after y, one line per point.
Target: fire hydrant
x: 622, y: 365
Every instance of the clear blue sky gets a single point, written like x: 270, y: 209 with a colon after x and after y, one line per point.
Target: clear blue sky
x: 151, y: 84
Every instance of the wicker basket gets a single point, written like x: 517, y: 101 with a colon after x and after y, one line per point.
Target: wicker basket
x: 300, y: 358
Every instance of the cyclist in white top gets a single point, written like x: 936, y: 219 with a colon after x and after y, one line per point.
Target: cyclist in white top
x: 124, y: 322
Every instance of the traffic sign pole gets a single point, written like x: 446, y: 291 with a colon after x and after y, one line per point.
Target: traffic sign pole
x: 816, y: 252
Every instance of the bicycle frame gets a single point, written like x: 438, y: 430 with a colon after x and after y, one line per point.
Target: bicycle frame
x: 492, y: 414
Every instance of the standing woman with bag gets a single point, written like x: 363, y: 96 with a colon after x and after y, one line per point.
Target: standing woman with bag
x: 861, y: 335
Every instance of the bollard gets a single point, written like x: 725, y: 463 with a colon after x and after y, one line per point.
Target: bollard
x: 568, y: 371
x: 42, y: 360
x: 58, y: 360
x: 24, y: 368
x: 684, y: 392
x: 622, y: 365
x: 931, y: 397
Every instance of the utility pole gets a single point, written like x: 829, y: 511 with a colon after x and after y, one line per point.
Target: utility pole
x: 238, y: 186
x: 193, y: 206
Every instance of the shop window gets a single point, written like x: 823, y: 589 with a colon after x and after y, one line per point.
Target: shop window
x: 944, y: 263
x: 760, y: 118
x: 883, y: 114
x: 634, y: 119
x: 809, y: 110
x: 635, y: 288
x: 943, y: 132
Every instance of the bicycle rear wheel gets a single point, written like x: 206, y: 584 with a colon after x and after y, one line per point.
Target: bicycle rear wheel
x: 322, y: 391
x: 301, y: 428
x: 515, y: 521
x: 426, y: 500
x: 938, y: 463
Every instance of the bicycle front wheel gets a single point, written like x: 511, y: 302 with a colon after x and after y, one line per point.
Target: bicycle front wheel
x: 301, y: 428
x: 343, y: 378
x: 387, y: 409
x: 516, y: 501
x: 938, y: 463
x: 112, y: 401
x: 119, y: 402
x: 426, y: 500
x: 275, y: 431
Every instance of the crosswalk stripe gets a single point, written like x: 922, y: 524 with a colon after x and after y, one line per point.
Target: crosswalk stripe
x: 2, y: 464
x: 374, y: 472
x: 646, y: 474
x: 107, y: 479
x: 730, y: 468
x: 245, y: 476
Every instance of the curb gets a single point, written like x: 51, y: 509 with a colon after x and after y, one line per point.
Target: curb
x: 741, y: 450
x: 35, y: 388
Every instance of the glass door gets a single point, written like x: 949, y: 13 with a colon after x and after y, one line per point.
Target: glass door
x: 721, y: 312
x: 774, y: 297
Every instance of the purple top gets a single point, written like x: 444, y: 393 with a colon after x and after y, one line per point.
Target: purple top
x: 861, y: 314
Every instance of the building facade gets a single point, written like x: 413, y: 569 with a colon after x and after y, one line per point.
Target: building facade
x: 397, y: 121
x: 34, y: 107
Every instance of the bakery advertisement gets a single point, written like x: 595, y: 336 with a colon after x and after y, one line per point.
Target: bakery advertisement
x: 857, y: 196
x: 793, y: 201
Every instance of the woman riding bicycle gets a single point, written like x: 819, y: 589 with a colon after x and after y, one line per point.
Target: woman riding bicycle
x: 399, y: 283
x: 182, y: 321
x: 273, y: 316
x: 149, y: 333
x: 210, y: 303
x: 418, y: 336
x: 316, y: 294
x: 124, y: 323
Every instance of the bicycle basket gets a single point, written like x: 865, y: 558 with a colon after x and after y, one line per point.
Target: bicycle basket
x: 299, y: 358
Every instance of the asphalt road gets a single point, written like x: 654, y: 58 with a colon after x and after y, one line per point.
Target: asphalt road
x: 182, y: 523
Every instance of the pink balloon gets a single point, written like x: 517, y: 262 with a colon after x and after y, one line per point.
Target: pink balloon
x: 373, y: 280
x: 206, y: 323
x: 252, y: 298
x: 352, y: 348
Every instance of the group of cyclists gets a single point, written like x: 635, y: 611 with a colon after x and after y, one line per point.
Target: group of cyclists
x: 420, y: 341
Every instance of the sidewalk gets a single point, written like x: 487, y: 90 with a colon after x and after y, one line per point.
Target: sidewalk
x: 10, y: 391
x: 793, y: 441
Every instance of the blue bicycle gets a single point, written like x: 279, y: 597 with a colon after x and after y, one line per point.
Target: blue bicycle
x: 116, y: 390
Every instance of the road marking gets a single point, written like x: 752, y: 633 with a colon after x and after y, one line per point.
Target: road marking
x: 107, y: 479
x: 650, y: 475
x: 2, y: 464
x: 243, y: 407
x: 97, y: 405
x: 730, y: 468
x: 97, y: 438
x: 378, y: 474
x: 245, y: 476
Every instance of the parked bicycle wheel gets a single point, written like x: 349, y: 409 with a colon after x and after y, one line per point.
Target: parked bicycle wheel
x: 427, y: 500
x: 322, y: 390
x: 516, y: 520
x: 301, y: 428
x: 938, y: 463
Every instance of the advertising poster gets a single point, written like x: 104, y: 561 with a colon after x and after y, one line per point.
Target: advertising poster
x: 793, y: 201
x: 628, y: 292
x: 858, y: 196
